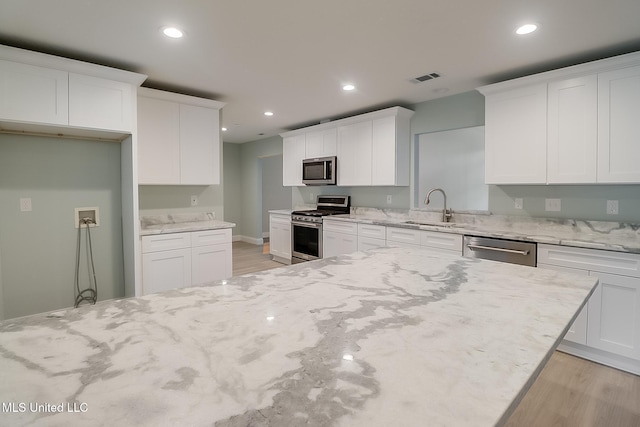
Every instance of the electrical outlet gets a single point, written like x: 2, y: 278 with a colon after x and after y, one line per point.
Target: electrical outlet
x: 25, y: 205
x: 612, y: 207
x: 552, y: 205
x: 519, y: 204
x: 389, y: 199
x: 194, y: 200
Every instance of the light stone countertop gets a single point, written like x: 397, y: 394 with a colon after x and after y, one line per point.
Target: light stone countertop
x: 180, y: 223
x: 393, y: 336
x: 613, y: 236
x: 280, y: 211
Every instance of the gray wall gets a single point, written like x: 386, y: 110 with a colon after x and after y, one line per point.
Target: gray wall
x: 250, y: 195
x: 274, y: 194
x: 38, y: 248
x: 233, y: 183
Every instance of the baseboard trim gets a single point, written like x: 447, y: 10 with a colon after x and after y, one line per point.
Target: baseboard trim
x: 604, y: 358
x: 252, y: 240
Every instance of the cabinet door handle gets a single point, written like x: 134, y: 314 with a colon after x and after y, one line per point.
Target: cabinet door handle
x: 491, y: 248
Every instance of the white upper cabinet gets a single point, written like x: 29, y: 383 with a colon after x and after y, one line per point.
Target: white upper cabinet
x: 354, y: 154
x: 199, y: 145
x: 391, y: 148
x: 515, y: 136
x: 371, y: 149
x: 569, y: 126
x: 178, y: 139
x: 619, y: 126
x: 158, y: 121
x: 33, y: 94
x: 52, y: 95
x: 100, y: 103
x: 321, y: 143
x: 293, y: 153
x: 572, y: 131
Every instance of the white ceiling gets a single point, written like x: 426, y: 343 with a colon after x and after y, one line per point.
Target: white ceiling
x: 292, y: 56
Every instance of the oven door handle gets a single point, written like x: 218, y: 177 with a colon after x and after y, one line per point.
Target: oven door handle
x: 307, y: 224
x: 492, y: 248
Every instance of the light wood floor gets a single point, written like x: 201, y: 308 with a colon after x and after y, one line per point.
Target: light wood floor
x: 570, y: 391
x: 249, y: 258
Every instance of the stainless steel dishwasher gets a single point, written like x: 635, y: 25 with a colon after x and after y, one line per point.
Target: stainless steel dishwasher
x: 510, y: 251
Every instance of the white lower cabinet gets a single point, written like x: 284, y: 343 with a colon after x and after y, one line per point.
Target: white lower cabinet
x: 339, y: 237
x: 612, y: 332
x: 280, y: 237
x: 442, y: 241
x: 371, y: 236
x: 577, y: 332
x: 166, y: 270
x: 178, y: 260
x: 397, y: 236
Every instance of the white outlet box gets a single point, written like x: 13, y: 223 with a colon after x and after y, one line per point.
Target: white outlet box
x: 389, y: 199
x: 91, y: 212
x: 519, y: 203
x: 194, y: 200
x: 612, y: 207
x: 25, y: 205
x: 553, y: 205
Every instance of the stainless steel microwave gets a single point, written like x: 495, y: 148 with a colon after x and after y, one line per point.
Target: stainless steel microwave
x: 319, y: 171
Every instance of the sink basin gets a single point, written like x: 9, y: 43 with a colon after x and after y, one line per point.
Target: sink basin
x: 433, y: 223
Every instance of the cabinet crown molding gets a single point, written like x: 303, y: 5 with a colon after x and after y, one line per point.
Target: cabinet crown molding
x: 180, y: 98
x: 70, y: 65
x: 593, y: 67
x: 392, y: 111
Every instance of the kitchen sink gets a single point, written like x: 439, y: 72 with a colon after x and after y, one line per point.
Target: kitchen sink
x: 433, y: 223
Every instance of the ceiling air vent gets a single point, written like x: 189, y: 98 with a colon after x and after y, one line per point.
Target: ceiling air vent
x: 426, y: 77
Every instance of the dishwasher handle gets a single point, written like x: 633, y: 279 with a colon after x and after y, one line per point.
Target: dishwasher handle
x: 472, y: 247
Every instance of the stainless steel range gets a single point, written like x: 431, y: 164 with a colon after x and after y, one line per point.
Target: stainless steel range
x: 306, y: 227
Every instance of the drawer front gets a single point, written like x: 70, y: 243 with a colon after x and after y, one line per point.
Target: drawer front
x: 590, y: 259
x: 165, y: 242
x: 434, y: 239
x: 366, y: 243
x: 280, y: 219
x: 210, y: 237
x: 403, y: 235
x: 340, y: 227
x: 374, y: 231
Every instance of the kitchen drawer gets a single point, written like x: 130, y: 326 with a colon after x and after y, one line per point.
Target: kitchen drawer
x: 165, y: 242
x: 280, y: 219
x: 403, y: 235
x: 448, y: 241
x: 374, y: 231
x: 340, y: 227
x: 590, y: 259
x: 366, y: 243
x: 210, y: 237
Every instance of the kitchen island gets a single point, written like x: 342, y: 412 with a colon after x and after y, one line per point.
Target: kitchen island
x: 394, y: 336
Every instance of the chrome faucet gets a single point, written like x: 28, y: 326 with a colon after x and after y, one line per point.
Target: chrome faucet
x: 446, y: 213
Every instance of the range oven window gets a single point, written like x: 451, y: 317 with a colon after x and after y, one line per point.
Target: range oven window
x: 306, y: 240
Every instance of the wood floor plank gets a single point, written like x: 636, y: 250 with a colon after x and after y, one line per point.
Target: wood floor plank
x: 249, y: 258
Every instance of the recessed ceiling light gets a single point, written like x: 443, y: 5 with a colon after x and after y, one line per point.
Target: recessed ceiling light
x: 268, y: 113
x: 526, y: 29
x: 224, y: 129
x: 172, y: 32
x: 348, y: 87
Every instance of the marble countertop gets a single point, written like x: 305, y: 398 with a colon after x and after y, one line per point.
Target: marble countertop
x: 613, y: 236
x: 394, y: 336
x: 281, y: 211
x: 179, y: 223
